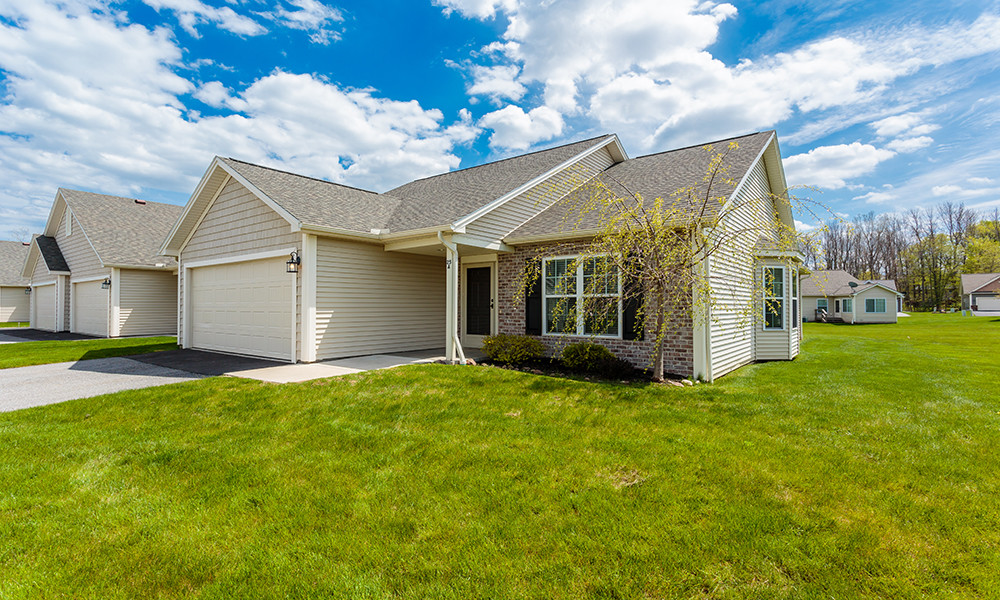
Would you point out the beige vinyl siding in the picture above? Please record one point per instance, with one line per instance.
(732, 277)
(15, 305)
(371, 301)
(773, 344)
(147, 303)
(889, 316)
(83, 262)
(238, 223)
(515, 212)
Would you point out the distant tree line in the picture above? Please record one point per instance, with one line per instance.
(924, 251)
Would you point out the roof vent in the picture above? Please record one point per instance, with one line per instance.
(137, 201)
(25, 243)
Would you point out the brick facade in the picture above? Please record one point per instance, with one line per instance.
(678, 349)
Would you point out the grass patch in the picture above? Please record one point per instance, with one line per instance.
(23, 354)
(14, 324)
(868, 467)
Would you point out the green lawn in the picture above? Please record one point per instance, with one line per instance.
(868, 467)
(14, 324)
(23, 354)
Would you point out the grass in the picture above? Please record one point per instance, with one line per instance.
(868, 467)
(14, 324)
(23, 354)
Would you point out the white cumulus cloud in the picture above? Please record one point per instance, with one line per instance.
(515, 129)
(830, 167)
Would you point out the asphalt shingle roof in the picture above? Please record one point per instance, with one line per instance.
(12, 257)
(318, 202)
(653, 176)
(972, 282)
(450, 196)
(122, 231)
(51, 254)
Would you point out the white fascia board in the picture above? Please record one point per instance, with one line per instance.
(746, 176)
(51, 226)
(89, 279)
(876, 285)
(33, 255)
(166, 269)
(340, 233)
(238, 258)
(467, 240)
(165, 247)
(462, 222)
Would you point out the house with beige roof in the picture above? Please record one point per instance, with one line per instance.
(96, 268)
(283, 266)
(980, 292)
(14, 302)
(838, 296)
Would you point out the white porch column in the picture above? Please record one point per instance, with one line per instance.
(453, 351)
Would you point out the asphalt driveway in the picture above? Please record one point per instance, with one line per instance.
(25, 387)
(13, 334)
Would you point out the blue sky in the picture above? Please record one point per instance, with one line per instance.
(879, 106)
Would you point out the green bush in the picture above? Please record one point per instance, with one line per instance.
(513, 349)
(588, 357)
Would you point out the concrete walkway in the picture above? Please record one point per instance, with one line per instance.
(38, 385)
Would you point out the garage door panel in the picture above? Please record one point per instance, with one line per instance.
(45, 307)
(90, 309)
(243, 308)
(990, 302)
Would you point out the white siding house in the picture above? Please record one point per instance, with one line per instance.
(15, 305)
(97, 260)
(283, 266)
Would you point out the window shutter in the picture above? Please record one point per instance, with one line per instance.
(631, 307)
(533, 305)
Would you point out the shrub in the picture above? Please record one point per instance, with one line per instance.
(513, 349)
(588, 357)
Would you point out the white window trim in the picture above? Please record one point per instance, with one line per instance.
(579, 299)
(875, 302)
(766, 297)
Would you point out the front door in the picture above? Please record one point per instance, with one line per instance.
(480, 305)
(836, 306)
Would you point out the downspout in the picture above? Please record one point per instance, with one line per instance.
(452, 344)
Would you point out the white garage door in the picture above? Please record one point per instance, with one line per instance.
(990, 302)
(90, 309)
(45, 307)
(243, 308)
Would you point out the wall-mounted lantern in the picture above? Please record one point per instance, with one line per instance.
(27, 291)
(106, 284)
(292, 265)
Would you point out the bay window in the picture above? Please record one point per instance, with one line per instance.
(774, 297)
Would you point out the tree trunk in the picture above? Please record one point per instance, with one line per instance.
(660, 337)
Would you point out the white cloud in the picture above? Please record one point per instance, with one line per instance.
(980, 180)
(191, 13)
(911, 124)
(913, 144)
(312, 16)
(515, 129)
(804, 227)
(645, 69)
(945, 190)
(68, 120)
(830, 167)
(497, 82)
(877, 197)
(477, 9)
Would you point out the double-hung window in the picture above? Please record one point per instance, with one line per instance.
(847, 305)
(874, 305)
(774, 297)
(582, 296)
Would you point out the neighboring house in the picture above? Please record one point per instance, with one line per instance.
(981, 291)
(96, 268)
(845, 298)
(14, 302)
(279, 265)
